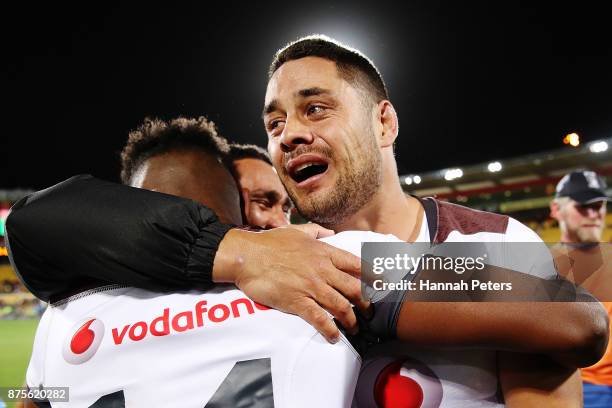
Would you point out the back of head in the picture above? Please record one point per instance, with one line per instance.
(184, 157)
(352, 65)
(156, 136)
(248, 151)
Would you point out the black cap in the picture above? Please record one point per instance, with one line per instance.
(582, 186)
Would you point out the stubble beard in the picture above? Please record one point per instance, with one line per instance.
(589, 235)
(356, 184)
(583, 235)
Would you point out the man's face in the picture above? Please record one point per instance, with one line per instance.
(581, 222)
(266, 202)
(194, 175)
(321, 140)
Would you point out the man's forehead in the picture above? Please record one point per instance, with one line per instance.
(304, 73)
(257, 171)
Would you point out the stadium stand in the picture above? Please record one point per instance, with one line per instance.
(520, 187)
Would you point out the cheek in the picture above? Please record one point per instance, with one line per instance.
(257, 215)
(575, 218)
(275, 153)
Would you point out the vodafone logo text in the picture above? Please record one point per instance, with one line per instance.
(201, 315)
(83, 340)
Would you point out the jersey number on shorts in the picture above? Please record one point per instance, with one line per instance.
(248, 384)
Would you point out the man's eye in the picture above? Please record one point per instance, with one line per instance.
(314, 109)
(263, 203)
(274, 124)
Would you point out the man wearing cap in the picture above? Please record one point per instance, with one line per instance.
(580, 208)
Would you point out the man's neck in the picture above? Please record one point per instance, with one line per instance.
(390, 211)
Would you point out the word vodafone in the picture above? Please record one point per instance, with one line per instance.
(187, 320)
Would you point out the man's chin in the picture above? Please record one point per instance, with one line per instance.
(590, 236)
(310, 198)
(312, 191)
(317, 206)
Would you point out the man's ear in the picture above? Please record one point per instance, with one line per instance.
(555, 208)
(388, 119)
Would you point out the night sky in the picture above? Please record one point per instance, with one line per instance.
(471, 82)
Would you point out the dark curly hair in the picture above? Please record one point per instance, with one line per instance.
(156, 136)
(248, 151)
(352, 65)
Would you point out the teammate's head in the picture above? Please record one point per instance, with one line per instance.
(580, 207)
(266, 203)
(184, 157)
(330, 128)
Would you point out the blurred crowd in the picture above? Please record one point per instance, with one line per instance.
(16, 302)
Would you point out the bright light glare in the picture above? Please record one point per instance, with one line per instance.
(598, 147)
(408, 180)
(452, 174)
(416, 179)
(573, 139)
(494, 167)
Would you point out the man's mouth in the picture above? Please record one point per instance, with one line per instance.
(306, 167)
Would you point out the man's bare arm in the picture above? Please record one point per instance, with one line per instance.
(573, 333)
(288, 269)
(534, 381)
(85, 233)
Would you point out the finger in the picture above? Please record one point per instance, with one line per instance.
(345, 261)
(316, 316)
(322, 232)
(336, 304)
(314, 230)
(349, 287)
(368, 311)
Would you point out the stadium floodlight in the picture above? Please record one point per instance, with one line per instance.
(572, 139)
(416, 179)
(598, 147)
(452, 174)
(408, 180)
(494, 167)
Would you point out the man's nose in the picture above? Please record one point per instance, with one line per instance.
(295, 133)
(594, 212)
(278, 218)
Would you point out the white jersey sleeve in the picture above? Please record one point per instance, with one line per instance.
(524, 251)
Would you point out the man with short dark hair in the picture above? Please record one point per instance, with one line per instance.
(331, 130)
(123, 346)
(159, 153)
(265, 201)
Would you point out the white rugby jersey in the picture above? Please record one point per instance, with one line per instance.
(213, 349)
(116, 345)
(135, 348)
(399, 375)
